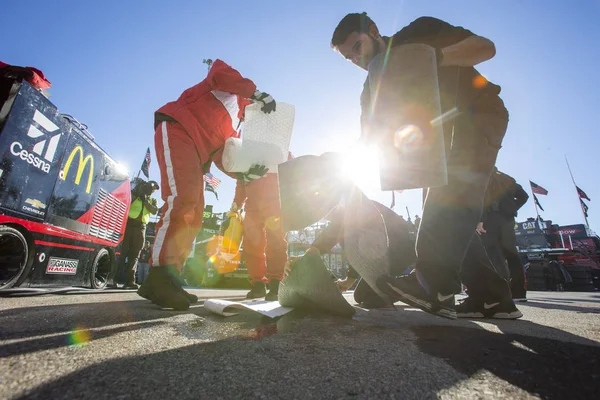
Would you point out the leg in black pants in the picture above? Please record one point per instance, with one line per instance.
(136, 233)
(124, 250)
(452, 212)
(450, 217)
(508, 242)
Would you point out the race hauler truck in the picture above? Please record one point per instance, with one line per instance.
(558, 257)
(63, 200)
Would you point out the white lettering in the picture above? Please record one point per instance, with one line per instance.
(33, 210)
(62, 266)
(17, 150)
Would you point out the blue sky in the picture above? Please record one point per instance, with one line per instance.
(113, 63)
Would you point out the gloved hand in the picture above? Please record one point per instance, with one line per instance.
(255, 172)
(267, 100)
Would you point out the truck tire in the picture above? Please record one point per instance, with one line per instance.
(101, 270)
(16, 257)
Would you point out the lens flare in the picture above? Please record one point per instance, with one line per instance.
(408, 137)
(79, 336)
(480, 82)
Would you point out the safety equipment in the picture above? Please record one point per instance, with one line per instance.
(137, 210)
(269, 104)
(255, 172)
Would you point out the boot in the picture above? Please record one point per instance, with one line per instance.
(180, 282)
(257, 291)
(130, 280)
(161, 288)
(273, 291)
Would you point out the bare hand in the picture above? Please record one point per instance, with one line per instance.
(480, 228)
(345, 284)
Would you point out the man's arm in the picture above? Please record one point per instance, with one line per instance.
(223, 77)
(331, 235)
(520, 196)
(469, 52)
(150, 204)
(458, 46)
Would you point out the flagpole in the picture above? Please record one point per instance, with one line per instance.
(534, 202)
(578, 197)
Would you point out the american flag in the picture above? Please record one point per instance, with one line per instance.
(146, 164)
(582, 194)
(537, 189)
(211, 180)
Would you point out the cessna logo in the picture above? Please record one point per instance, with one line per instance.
(82, 163)
(62, 266)
(44, 148)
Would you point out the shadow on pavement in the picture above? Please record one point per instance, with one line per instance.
(308, 356)
(67, 339)
(62, 320)
(549, 368)
(551, 305)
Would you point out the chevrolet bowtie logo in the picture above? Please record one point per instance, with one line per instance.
(35, 203)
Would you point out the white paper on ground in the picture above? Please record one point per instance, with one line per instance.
(271, 309)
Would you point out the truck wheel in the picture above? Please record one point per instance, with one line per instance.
(15, 257)
(101, 269)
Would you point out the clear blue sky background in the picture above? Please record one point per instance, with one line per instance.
(113, 63)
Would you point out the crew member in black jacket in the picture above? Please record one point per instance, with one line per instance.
(504, 198)
(474, 123)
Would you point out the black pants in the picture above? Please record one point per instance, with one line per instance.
(451, 213)
(501, 244)
(133, 241)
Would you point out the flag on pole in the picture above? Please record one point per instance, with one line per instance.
(537, 202)
(582, 194)
(584, 207)
(211, 180)
(537, 189)
(211, 189)
(146, 164)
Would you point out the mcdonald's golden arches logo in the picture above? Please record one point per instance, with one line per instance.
(83, 161)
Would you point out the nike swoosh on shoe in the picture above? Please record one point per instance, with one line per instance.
(442, 299)
(488, 306)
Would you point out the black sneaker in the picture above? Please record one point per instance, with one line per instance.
(257, 291)
(408, 290)
(174, 272)
(130, 286)
(273, 291)
(161, 289)
(472, 307)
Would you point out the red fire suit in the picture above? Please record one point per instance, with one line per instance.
(190, 135)
(262, 229)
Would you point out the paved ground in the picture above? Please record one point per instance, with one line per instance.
(119, 346)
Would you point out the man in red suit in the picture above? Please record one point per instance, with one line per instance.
(265, 248)
(190, 136)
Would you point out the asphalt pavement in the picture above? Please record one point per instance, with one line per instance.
(120, 346)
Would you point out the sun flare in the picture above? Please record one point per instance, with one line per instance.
(361, 165)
